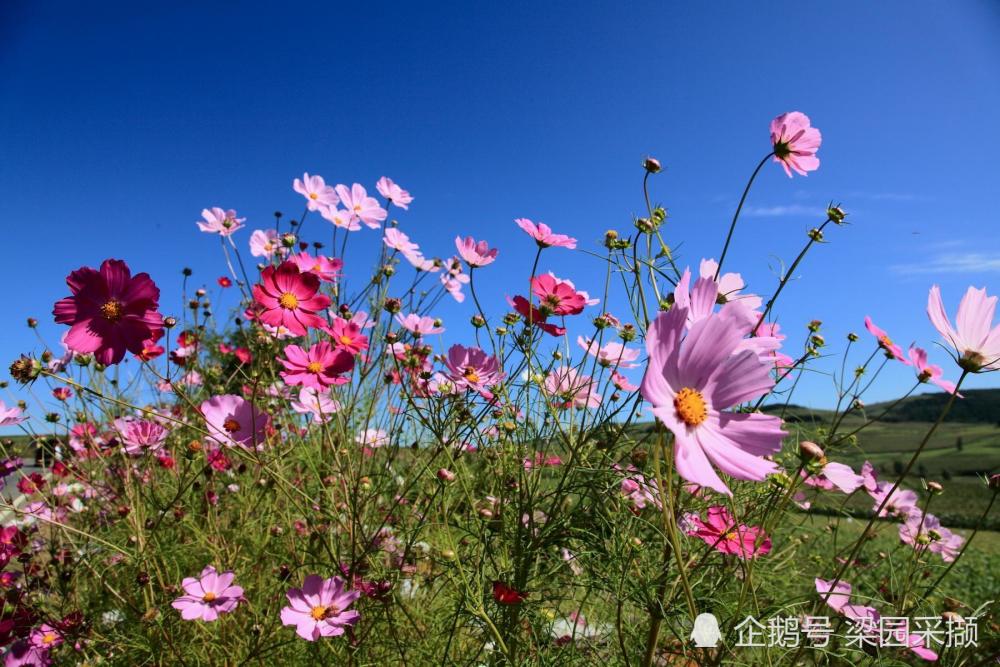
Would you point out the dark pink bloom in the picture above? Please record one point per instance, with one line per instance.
(234, 422)
(346, 335)
(393, 192)
(209, 595)
(46, 637)
(471, 368)
(723, 534)
(795, 143)
(219, 221)
(534, 316)
(361, 206)
(892, 350)
(290, 299)
(557, 297)
(475, 254)
(327, 269)
(543, 235)
(317, 193)
(927, 372)
(319, 608)
(319, 367)
(110, 311)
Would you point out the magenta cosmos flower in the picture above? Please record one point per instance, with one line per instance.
(795, 143)
(319, 367)
(471, 368)
(140, 435)
(208, 596)
(557, 297)
(319, 608)
(721, 532)
(234, 421)
(361, 206)
(393, 192)
(317, 193)
(327, 269)
(290, 298)
(978, 345)
(475, 253)
(927, 372)
(110, 312)
(10, 416)
(892, 350)
(220, 221)
(690, 381)
(544, 236)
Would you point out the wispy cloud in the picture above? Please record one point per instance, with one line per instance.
(889, 196)
(953, 262)
(781, 211)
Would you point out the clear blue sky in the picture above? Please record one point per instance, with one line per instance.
(120, 122)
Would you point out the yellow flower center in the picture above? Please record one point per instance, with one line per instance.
(470, 374)
(209, 596)
(231, 425)
(49, 638)
(357, 208)
(690, 406)
(289, 301)
(346, 340)
(315, 367)
(885, 340)
(320, 612)
(731, 536)
(313, 195)
(112, 310)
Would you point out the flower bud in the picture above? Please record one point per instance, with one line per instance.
(836, 214)
(935, 488)
(32, 322)
(993, 482)
(652, 165)
(187, 272)
(610, 239)
(288, 240)
(816, 234)
(445, 475)
(392, 305)
(852, 337)
(814, 325)
(478, 321)
(810, 451)
(25, 369)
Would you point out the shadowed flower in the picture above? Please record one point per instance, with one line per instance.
(723, 534)
(924, 531)
(317, 403)
(290, 298)
(319, 367)
(507, 595)
(795, 143)
(110, 311)
(543, 235)
(319, 608)
(234, 422)
(572, 388)
(475, 254)
(829, 476)
(689, 383)
(318, 194)
(45, 636)
(397, 195)
(219, 221)
(362, 207)
(372, 437)
(978, 345)
(10, 416)
(207, 596)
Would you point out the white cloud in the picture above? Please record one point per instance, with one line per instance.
(781, 211)
(953, 262)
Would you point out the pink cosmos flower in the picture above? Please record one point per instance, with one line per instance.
(399, 241)
(689, 383)
(722, 533)
(836, 596)
(543, 235)
(924, 531)
(10, 416)
(900, 504)
(929, 372)
(207, 596)
(346, 335)
(317, 403)
(318, 194)
(234, 422)
(341, 218)
(327, 269)
(557, 297)
(729, 285)
(622, 383)
(420, 325)
(534, 316)
(372, 437)
(393, 193)
(290, 298)
(22, 654)
(869, 478)
(610, 354)
(892, 350)
(45, 636)
(638, 490)
(264, 243)
(453, 279)
(978, 345)
(361, 206)
(475, 254)
(319, 367)
(572, 388)
(110, 311)
(319, 608)
(219, 221)
(140, 435)
(834, 476)
(471, 368)
(795, 143)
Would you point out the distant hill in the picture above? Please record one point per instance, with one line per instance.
(979, 406)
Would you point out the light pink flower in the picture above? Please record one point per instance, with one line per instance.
(341, 218)
(397, 195)
(611, 354)
(690, 381)
(361, 206)
(834, 476)
(290, 298)
(219, 221)
(372, 437)
(397, 240)
(572, 388)
(264, 243)
(141, 435)
(110, 311)
(234, 422)
(638, 490)
(327, 269)
(892, 350)
(453, 279)
(978, 345)
(319, 608)
(320, 367)
(901, 503)
(721, 532)
(621, 382)
(207, 596)
(927, 372)
(10, 416)
(318, 194)
(543, 235)
(836, 596)
(317, 403)
(795, 143)
(420, 325)
(475, 254)
(729, 285)
(471, 368)
(924, 531)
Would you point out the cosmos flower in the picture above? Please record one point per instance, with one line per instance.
(471, 368)
(730, 285)
(924, 531)
(317, 403)
(892, 350)
(420, 325)
(795, 143)
(557, 297)
(611, 354)
(319, 608)
(833, 475)
(721, 532)
(219, 221)
(978, 345)
(399, 241)
(290, 298)
(319, 367)
(10, 416)
(362, 207)
(346, 335)
(110, 311)
(572, 388)
(544, 236)
(690, 381)
(318, 194)
(327, 269)
(207, 596)
(475, 254)
(507, 595)
(927, 372)
(341, 218)
(140, 435)
(233, 421)
(397, 195)
(372, 437)
(264, 243)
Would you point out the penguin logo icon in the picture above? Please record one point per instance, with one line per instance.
(706, 631)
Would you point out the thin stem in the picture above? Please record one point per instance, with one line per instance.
(732, 226)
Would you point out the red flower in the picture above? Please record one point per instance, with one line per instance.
(225, 282)
(506, 595)
(290, 299)
(110, 311)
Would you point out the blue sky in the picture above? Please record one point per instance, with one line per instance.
(118, 125)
